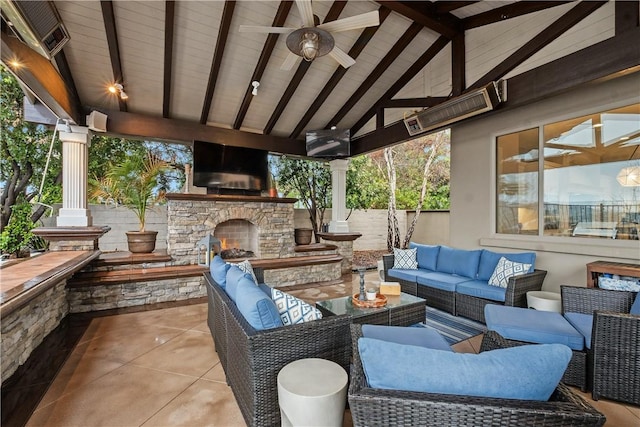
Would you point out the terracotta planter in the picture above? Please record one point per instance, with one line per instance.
(141, 242)
(302, 236)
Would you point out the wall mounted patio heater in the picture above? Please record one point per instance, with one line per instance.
(37, 24)
(456, 109)
(206, 248)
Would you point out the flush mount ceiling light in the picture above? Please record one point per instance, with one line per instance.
(312, 40)
(117, 89)
(629, 177)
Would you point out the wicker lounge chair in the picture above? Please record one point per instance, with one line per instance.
(377, 407)
(614, 357)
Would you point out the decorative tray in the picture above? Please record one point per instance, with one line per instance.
(380, 301)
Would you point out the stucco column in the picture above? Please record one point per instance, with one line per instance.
(338, 222)
(75, 153)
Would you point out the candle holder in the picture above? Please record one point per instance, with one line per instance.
(362, 295)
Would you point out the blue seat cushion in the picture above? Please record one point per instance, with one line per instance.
(481, 289)
(422, 337)
(255, 306)
(582, 323)
(635, 307)
(528, 325)
(233, 278)
(489, 261)
(403, 273)
(218, 269)
(529, 372)
(458, 261)
(427, 255)
(443, 281)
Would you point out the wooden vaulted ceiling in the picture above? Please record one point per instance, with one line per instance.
(188, 71)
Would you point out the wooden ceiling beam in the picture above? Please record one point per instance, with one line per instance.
(41, 77)
(332, 15)
(627, 16)
(546, 36)
(265, 56)
(221, 42)
(169, 18)
(429, 101)
(109, 19)
(507, 12)
(458, 65)
(356, 49)
(411, 72)
(423, 13)
(139, 126)
(409, 34)
(65, 72)
(447, 6)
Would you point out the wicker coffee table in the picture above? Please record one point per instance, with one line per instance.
(401, 310)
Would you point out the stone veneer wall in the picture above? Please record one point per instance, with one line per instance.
(189, 220)
(24, 329)
(103, 297)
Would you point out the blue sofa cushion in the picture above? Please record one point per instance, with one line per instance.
(489, 261)
(405, 259)
(583, 323)
(528, 325)
(422, 337)
(233, 278)
(265, 288)
(530, 372)
(635, 308)
(458, 261)
(401, 273)
(256, 307)
(218, 269)
(427, 255)
(443, 281)
(505, 270)
(481, 289)
(247, 268)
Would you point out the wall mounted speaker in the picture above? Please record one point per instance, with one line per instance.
(97, 121)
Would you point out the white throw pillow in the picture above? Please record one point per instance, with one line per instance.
(506, 269)
(246, 267)
(405, 258)
(293, 310)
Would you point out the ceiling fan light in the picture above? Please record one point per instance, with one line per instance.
(309, 46)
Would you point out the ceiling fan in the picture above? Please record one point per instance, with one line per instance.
(312, 41)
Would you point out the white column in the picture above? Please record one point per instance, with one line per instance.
(339, 169)
(75, 153)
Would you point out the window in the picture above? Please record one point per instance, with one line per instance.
(590, 177)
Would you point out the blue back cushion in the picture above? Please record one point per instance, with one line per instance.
(635, 308)
(218, 269)
(427, 255)
(489, 260)
(529, 372)
(233, 278)
(256, 307)
(422, 337)
(458, 261)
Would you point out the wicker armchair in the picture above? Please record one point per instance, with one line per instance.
(614, 358)
(377, 407)
(252, 359)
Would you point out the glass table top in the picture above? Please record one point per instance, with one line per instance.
(343, 305)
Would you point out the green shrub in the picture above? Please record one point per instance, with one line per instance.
(17, 235)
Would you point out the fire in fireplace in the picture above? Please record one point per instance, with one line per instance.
(238, 237)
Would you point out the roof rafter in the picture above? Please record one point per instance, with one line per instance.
(169, 17)
(223, 33)
(448, 6)
(65, 72)
(423, 13)
(109, 19)
(265, 56)
(356, 49)
(507, 12)
(332, 15)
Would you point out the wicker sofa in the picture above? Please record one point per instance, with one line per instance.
(456, 280)
(377, 407)
(251, 359)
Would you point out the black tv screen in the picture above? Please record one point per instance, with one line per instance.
(330, 143)
(218, 166)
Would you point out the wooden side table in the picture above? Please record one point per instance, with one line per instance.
(594, 269)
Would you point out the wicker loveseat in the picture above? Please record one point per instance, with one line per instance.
(251, 359)
(377, 407)
(456, 280)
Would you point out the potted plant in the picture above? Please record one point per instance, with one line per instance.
(133, 183)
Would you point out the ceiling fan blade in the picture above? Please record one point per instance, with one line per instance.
(341, 56)
(369, 19)
(289, 61)
(262, 29)
(306, 12)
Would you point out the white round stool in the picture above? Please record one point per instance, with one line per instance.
(312, 392)
(544, 301)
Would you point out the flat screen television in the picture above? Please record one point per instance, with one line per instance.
(222, 167)
(329, 143)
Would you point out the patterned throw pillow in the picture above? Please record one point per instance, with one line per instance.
(405, 258)
(293, 310)
(506, 269)
(246, 267)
